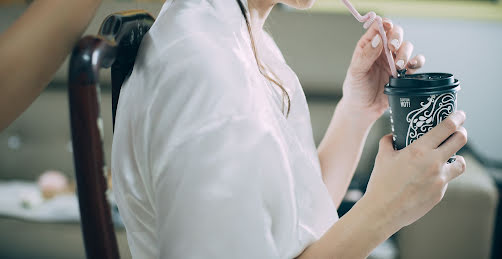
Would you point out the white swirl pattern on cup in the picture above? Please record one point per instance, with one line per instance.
(429, 115)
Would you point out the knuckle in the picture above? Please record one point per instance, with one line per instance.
(440, 182)
(421, 60)
(463, 138)
(450, 125)
(462, 115)
(463, 135)
(398, 29)
(408, 44)
(462, 164)
(436, 167)
(361, 42)
(416, 152)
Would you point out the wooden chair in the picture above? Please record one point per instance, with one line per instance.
(115, 46)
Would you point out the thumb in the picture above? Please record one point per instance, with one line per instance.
(385, 144)
(368, 50)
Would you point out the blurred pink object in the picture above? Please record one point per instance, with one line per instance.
(52, 183)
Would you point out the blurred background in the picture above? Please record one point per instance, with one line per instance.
(459, 37)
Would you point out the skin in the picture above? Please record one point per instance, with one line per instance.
(404, 184)
(31, 51)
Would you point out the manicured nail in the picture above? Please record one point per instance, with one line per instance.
(413, 63)
(376, 41)
(395, 43)
(400, 63)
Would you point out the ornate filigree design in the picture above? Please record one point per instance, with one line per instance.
(431, 113)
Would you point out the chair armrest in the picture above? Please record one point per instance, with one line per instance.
(461, 225)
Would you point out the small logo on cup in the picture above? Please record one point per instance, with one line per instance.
(405, 102)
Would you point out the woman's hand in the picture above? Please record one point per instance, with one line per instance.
(369, 70)
(403, 187)
(407, 183)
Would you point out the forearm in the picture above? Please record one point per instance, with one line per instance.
(355, 235)
(341, 148)
(34, 47)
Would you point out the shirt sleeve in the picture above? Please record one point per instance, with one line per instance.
(209, 191)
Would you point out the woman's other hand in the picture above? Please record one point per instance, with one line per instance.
(406, 184)
(369, 70)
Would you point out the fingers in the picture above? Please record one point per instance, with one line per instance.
(370, 46)
(385, 144)
(403, 50)
(453, 144)
(415, 63)
(368, 50)
(438, 134)
(395, 36)
(403, 54)
(370, 33)
(387, 24)
(453, 170)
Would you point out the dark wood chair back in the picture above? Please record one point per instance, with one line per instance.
(115, 46)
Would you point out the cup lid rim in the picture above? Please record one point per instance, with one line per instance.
(421, 80)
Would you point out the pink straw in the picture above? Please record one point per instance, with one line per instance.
(368, 19)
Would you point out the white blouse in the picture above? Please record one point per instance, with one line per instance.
(205, 164)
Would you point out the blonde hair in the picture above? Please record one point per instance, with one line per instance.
(261, 67)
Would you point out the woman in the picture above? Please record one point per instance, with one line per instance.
(213, 154)
(34, 47)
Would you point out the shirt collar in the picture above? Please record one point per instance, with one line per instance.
(225, 8)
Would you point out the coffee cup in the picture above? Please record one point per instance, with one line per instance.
(419, 102)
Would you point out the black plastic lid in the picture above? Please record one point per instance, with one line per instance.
(422, 84)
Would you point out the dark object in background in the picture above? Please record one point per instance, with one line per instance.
(116, 46)
(496, 173)
(419, 102)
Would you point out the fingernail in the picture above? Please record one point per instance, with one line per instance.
(400, 63)
(413, 62)
(386, 20)
(395, 43)
(376, 41)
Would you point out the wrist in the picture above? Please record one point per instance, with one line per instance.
(384, 223)
(355, 235)
(357, 116)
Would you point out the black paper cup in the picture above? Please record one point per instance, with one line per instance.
(418, 103)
